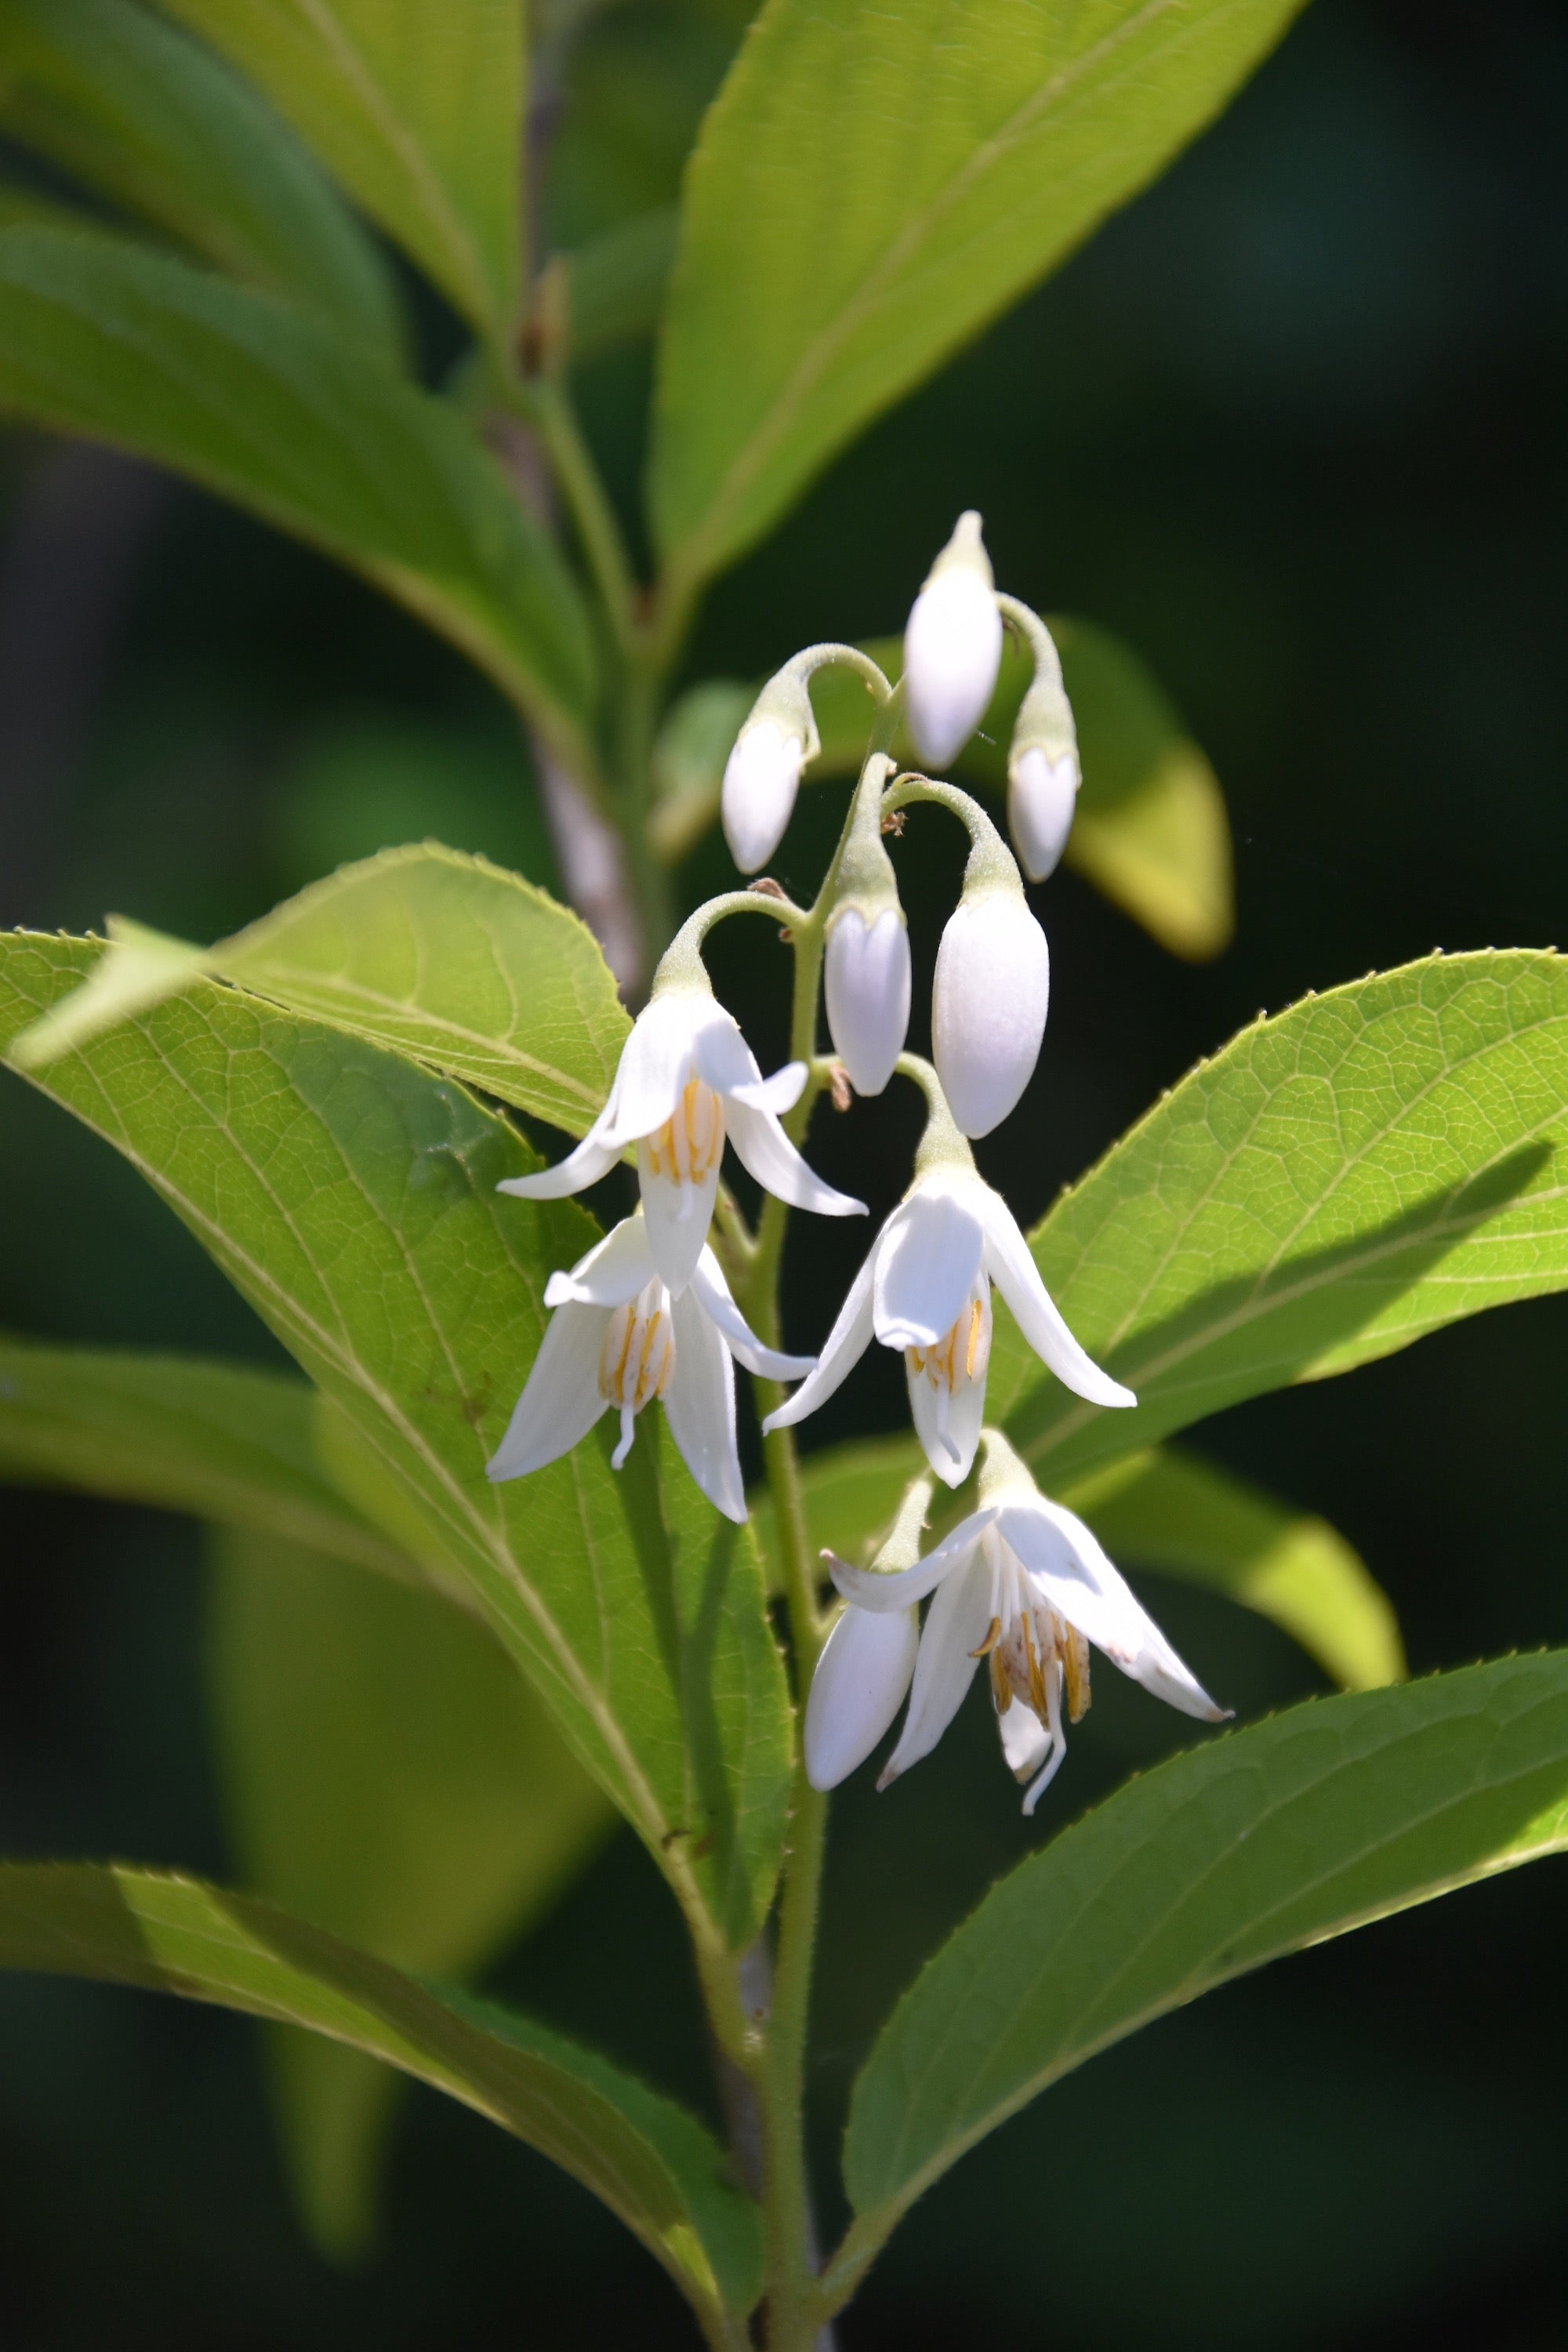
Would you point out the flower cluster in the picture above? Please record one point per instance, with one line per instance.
(650, 1312)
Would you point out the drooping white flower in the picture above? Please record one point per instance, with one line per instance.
(1042, 799)
(953, 647)
(988, 1004)
(761, 777)
(925, 1289)
(618, 1337)
(687, 1079)
(1022, 1583)
(867, 985)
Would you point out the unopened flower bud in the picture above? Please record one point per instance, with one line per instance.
(1043, 772)
(1042, 796)
(867, 992)
(988, 1005)
(953, 647)
(761, 774)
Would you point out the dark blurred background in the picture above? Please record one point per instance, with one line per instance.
(1293, 424)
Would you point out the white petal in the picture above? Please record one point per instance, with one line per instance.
(678, 1216)
(615, 1270)
(655, 1062)
(1025, 1739)
(699, 1405)
(562, 1400)
(763, 1148)
(868, 993)
(591, 1158)
(988, 1006)
(953, 650)
(857, 1690)
(1068, 1564)
(1042, 799)
(713, 1295)
(877, 1589)
(928, 1259)
(761, 777)
(955, 1626)
(846, 1344)
(948, 1425)
(1017, 1277)
(778, 1094)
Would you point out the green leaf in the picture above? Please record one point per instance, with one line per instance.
(1151, 830)
(351, 1197)
(143, 115)
(417, 109)
(433, 953)
(1324, 1819)
(266, 405)
(1169, 1511)
(1163, 1509)
(869, 189)
(615, 284)
(1364, 1167)
(653, 2163)
(387, 1775)
(180, 1434)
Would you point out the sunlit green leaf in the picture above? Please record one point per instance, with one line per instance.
(267, 405)
(416, 108)
(438, 955)
(652, 2163)
(1164, 1510)
(1366, 1167)
(183, 1433)
(386, 1774)
(871, 187)
(145, 116)
(1151, 830)
(351, 1197)
(1326, 1818)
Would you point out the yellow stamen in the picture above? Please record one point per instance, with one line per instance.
(1075, 1674)
(1000, 1688)
(992, 1636)
(689, 1143)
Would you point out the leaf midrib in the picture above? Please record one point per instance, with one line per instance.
(819, 353)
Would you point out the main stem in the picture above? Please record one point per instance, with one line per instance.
(792, 2320)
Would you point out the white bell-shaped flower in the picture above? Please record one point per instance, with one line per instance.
(867, 985)
(687, 1080)
(1025, 1585)
(1042, 799)
(953, 648)
(618, 1337)
(925, 1289)
(988, 1005)
(761, 777)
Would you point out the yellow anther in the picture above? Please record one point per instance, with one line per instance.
(1075, 1673)
(1000, 1688)
(992, 1636)
(688, 1145)
(637, 1354)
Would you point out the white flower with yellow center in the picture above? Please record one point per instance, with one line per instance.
(619, 1337)
(687, 1079)
(1024, 1585)
(925, 1289)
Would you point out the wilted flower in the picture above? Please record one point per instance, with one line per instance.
(988, 1004)
(687, 1078)
(867, 985)
(1023, 1584)
(618, 1337)
(953, 647)
(925, 1288)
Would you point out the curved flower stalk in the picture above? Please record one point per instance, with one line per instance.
(1022, 1583)
(925, 1289)
(687, 1079)
(617, 1339)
